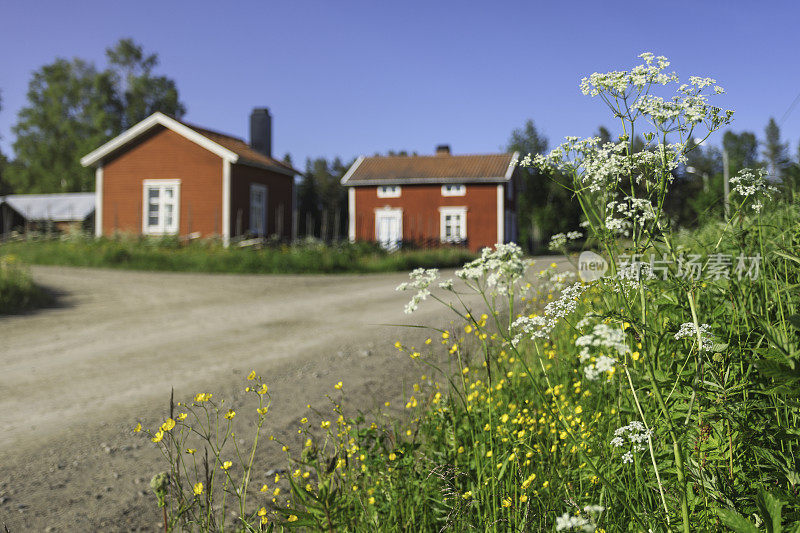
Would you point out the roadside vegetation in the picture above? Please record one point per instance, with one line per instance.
(18, 292)
(661, 396)
(172, 254)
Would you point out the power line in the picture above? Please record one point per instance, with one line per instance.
(789, 111)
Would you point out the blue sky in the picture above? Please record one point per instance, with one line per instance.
(348, 78)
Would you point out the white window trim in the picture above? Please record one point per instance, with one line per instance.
(98, 201)
(351, 214)
(253, 229)
(145, 205)
(453, 210)
(393, 193)
(394, 211)
(501, 230)
(460, 191)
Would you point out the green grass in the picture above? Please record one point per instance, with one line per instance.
(170, 254)
(18, 292)
(499, 437)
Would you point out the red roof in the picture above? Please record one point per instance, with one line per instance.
(239, 147)
(431, 169)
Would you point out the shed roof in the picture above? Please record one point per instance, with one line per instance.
(440, 168)
(60, 207)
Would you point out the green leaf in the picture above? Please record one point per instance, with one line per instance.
(771, 506)
(736, 522)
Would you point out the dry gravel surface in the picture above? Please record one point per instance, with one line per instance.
(77, 377)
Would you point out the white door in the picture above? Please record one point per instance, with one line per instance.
(389, 228)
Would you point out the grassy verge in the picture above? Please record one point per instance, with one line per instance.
(210, 256)
(18, 292)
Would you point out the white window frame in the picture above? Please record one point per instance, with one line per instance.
(444, 212)
(454, 189)
(389, 191)
(253, 228)
(396, 212)
(160, 228)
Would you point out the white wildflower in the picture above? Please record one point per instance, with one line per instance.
(636, 436)
(541, 326)
(689, 330)
(421, 279)
(567, 522)
(595, 348)
(502, 267)
(750, 183)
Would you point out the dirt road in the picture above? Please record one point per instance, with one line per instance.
(77, 377)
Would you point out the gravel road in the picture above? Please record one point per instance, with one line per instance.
(76, 377)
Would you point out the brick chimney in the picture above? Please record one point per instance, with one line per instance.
(443, 149)
(261, 131)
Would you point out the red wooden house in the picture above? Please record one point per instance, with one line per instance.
(444, 198)
(167, 177)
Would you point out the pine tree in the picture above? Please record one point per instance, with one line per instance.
(775, 152)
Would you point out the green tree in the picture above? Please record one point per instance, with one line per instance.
(67, 116)
(4, 188)
(138, 93)
(322, 196)
(545, 207)
(742, 150)
(775, 152)
(73, 108)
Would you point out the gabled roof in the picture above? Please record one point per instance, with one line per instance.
(445, 168)
(227, 147)
(60, 207)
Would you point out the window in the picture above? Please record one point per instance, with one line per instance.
(453, 224)
(389, 191)
(454, 189)
(161, 201)
(258, 209)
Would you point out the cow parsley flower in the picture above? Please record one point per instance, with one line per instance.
(596, 348)
(689, 330)
(752, 183)
(421, 279)
(501, 268)
(541, 326)
(567, 522)
(635, 436)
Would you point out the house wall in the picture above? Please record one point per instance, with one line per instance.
(279, 200)
(163, 155)
(421, 219)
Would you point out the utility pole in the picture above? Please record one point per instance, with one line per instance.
(725, 182)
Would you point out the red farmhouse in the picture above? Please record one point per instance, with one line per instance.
(444, 198)
(166, 177)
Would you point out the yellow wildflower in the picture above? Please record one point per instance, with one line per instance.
(291, 518)
(263, 389)
(138, 428)
(230, 414)
(198, 489)
(392, 456)
(226, 465)
(190, 451)
(264, 488)
(182, 417)
(168, 425)
(338, 386)
(262, 410)
(252, 375)
(158, 436)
